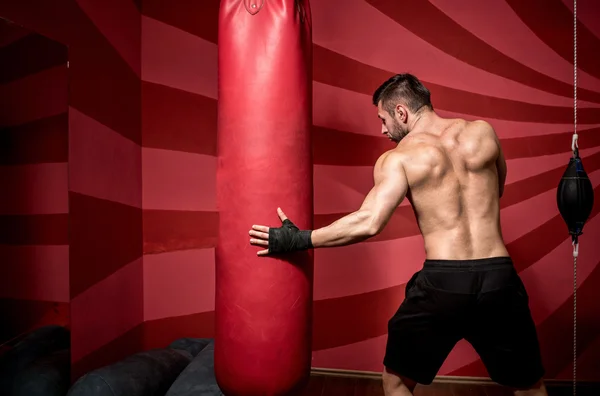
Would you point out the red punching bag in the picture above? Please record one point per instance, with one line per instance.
(263, 305)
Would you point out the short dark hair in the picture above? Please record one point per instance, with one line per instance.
(404, 88)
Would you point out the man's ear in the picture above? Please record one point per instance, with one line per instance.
(401, 113)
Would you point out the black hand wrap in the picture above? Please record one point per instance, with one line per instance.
(288, 238)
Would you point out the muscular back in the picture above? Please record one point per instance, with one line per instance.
(456, 177)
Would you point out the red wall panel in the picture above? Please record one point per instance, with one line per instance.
(104, 168)
(34, 251)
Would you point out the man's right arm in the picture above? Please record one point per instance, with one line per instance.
(502, 170)
(490, 133)
(389, 190)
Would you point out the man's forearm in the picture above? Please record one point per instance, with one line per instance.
(353, 228)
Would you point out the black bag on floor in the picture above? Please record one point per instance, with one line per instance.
(47, 376)
(39, 343)
(149, 373)
(192, 345)
(198, 378)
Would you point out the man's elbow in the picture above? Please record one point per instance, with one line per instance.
(371, 224)
(369, 232)
(375, 227)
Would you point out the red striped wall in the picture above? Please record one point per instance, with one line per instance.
(515, 74)
(105, 288)
(34, 246)
(178, 160)
(142, 163)
(105, 182)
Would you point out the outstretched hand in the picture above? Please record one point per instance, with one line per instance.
(285, 239)
(260, 234)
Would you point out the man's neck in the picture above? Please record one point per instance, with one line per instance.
(424, 121)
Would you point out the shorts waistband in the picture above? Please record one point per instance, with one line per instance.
(481, 263)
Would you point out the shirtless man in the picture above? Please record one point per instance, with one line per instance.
(453, 172)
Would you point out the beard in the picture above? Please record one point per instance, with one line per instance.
(396, 133)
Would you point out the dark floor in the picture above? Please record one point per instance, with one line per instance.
(339, 386)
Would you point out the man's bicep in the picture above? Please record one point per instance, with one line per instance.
(390, 189)
(502, 169)
(500, 163)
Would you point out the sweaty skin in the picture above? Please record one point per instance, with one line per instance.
(456, 176)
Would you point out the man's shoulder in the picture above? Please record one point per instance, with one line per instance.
(393, 157)
(392, 153)
(473, 130)
(464, 124)
(480, 126)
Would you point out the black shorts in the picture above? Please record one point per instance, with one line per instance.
(482, 301)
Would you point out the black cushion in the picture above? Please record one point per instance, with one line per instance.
(40, 342)
(198, 378)
(192, 345)
(149, 373)
(47, 376)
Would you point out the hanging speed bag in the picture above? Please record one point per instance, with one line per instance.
(263, 305)
(575, 196)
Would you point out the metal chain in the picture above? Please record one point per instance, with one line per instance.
(574, 147)
(574, 325)
(575, 66)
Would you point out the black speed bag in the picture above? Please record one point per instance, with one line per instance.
(575, 196)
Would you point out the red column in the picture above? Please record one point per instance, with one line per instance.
(263, 305)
